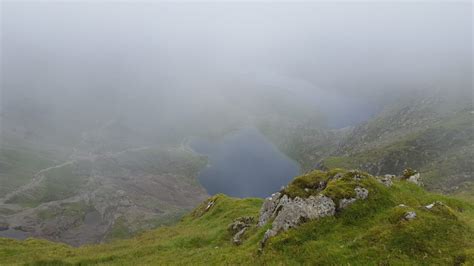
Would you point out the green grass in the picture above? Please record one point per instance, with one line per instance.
(442, 153)
(59, 183)
(18, 166)
(369, 232)
(72, 209)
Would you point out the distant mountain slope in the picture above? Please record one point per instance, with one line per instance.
(108, 188)
(438, 144)
(433, 134)
(399, 224)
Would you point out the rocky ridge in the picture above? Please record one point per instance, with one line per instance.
(306, 198)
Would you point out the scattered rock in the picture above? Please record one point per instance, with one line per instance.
(121, 193)
(237, 238)
(436, 203)
(402, 206)
(238, 228)
(416, 179)
(125, 202)
(408, 172)
(344, 203)
(209, 205)
(356, 175)
(386, 180)
(361, 193)
(338, 176)
(409, 216)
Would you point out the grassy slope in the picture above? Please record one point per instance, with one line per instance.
(21, 164)
(443, 153)
(369, 232)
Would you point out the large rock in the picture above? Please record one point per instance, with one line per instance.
(409, 216)
(415, 179)
(290, 213)
(268, 207)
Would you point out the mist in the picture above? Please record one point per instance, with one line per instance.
(118, 117)
(167, 68)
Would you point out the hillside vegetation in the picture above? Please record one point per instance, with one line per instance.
(373, 231)
(95, 197)
(434, 135)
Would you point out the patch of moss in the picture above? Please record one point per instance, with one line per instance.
(308, 184)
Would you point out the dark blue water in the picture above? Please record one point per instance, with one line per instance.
(13, 233)
(244, 164)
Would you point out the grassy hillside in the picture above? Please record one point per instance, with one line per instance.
(22, 164)
(94, 197)
(431, 133)
(368, 232)
(443, 152)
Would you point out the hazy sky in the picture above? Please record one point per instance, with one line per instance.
(169, 64)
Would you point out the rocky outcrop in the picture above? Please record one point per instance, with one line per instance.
(239, 227)
(361, 193)
(269, 207)
(415, 179)
(289, 213)
(386, 180)
(315, 195)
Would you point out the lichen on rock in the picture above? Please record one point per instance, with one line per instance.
(293, 212)
(386, 180)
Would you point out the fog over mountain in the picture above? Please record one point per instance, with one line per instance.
(251, 132)
(174, 67)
